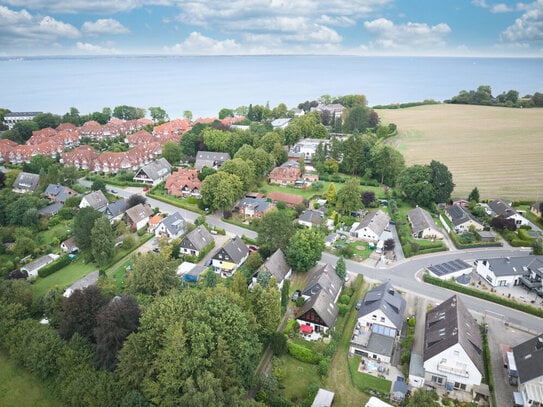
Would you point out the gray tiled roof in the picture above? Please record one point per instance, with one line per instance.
(197, 239)
(323, 277)
(376, 221)
(157, 169)
(96, 199)
(529, 359)
(26, 180)
(311, 216)
(277, 265)
(459, 215)
(514, 266)
(448, 324)
(116, 208)
(388, 300)
(210, 159)
(259, 204)
(236, 249)
(420, 220)
(324, 306)
(139, 212)
(50, 209)
(501, 208)
(174, 223)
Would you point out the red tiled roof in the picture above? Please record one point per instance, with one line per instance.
(286, 198)
(183, 177)
(285, 174)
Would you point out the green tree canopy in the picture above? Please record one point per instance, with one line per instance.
(152, 274)
(172, 152)
(349, 197)
(474, 195)
(158, 114)
(83, 224)
(274, 232)
(305, 249)
(441, 181)
(220, 190)
(416, 184)
(125, 112)
(245, 170)
(102, 241)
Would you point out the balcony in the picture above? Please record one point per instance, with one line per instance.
(442, 367)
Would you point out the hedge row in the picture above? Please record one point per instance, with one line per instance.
(454, 238)
(303, 354)
(206, 250)
(175, 202)
(54, 266)
(483, 295)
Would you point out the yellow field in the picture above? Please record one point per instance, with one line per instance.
(498, 150)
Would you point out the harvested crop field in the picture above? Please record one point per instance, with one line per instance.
(498, 150)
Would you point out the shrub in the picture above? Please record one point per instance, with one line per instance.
(54, 266)
(342, 309)
(303, 354)
(142, 231)
(344, 299)
(323, 367)
(192, 200)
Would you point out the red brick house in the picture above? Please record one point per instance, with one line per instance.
(284, 175)
(184, 183)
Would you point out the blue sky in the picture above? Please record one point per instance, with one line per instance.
(213, 27)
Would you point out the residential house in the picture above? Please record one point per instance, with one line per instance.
(330, 239)
(95, 199)
(399, 390)
(154, 221)
(69, 245)
(450, 269)
(284, 175)
(422, 225)
(371, 227)
(138, 216)
(529, 360)
(82, 283)
(511, 271)
(115, 210)
(535, 208)
(82, 158)
(26, 183)
(453, 350)
(276, 265)
(503, 209)
(50, 210)
(335, 109)
(487, 236)
(323, 398)
(323, 277)
(196, 241)
(153, 173)
(318, 315)
(59, 193)
(289, 199)
(12, 118)
(184, 183)
(306, 148)
(464, 203)
(33, 267)
(250, 207)
(172, 226)
(229, 257)
(210, 159)
(311, 218)
(462, 221)
(6, 147)
(280, 123)
(379, 323)
(309, 179)
(375, 402)
(175, 127)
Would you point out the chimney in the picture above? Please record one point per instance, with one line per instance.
(539, 343)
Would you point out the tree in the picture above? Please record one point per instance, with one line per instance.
(25, 130)
(172, 152)
(224, 112)
(331, 195)
(348, 197)
(2, 179)
(114, 323)
(72, 117)
(388, 163)
(98, 185)
(423, 398)
(158, 114)
(211, 279)
(278, 343)
(79, 313)
(331, 166)
(441, 181)
(267, 308)
(220, 190)
(341, 268)
(305, 249)
(102, 241)
(135, 199)
(274, 232)
(368, 197)
(538, 247)
(254, 261)
(474, 195)
(357, 120)
(152, 274)
(389, 245)
(125, 112)
(83, 224)
(44, 120)
(501, 223)
(245, 170)
(416, 184)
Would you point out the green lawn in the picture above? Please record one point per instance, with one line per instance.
(297, 376)
(365, 382)
(63, 278)
(18, 388)
(57, 231)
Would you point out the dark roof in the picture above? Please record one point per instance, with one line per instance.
(420, 220)
(96, 199)
(388, 300)
(139, 212)
(381, 344)
(502, 208)
(116, 208)
(60, 192)
(277, 265)
(514, 266)
(311, 216)
(449, 267)
(448, 324)
(529, 359)
(323, 277)
(38, 263)
(376, 221)
(399, 386)
(26, 180)
(157, 169)
(259, 204)
(21, 114)
(324, 307)
(459, 215)
(236, 249)
(50, 209)
(210, 159)
(174, 223)
(197, 239)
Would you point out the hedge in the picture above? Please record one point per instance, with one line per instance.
(206, 250)
(483, 295)
(458, 245)
(303, 354)
(54, 266)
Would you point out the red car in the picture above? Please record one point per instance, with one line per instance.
(252, 248)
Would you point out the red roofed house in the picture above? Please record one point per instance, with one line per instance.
(41, 136)
(6, 147)
(66, 127)
(184, 183)
(140, 137)
(289, 199)
(177, 126)
(154, 221)
(81, 157)
(284, 175)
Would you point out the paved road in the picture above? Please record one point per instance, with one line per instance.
(401, 273)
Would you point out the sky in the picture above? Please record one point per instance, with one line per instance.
(268, 27)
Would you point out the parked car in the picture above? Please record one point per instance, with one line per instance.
(113, 191)
(208, 262)
(252, 248)
(156, 250)
(359, 304)
(296, 295)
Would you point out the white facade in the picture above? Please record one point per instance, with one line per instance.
(532, 392)
(484, 270)
(366, 233)
(453, 366)
(519, 219)
(377, 317)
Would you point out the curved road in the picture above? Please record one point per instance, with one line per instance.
(402, 273)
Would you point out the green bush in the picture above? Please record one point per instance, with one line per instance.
(54, 266)
(342, 309)
(324, 366)
(192, 200)
(290, 325)
(142, 231)
(344, 299)
(303, 354)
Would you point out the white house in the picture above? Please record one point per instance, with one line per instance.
(33, 267)
(375, 402)
(153, 173)
(462, 221)
(172, 226)
(502, 208)
(529, 360)
(450, 269)
(95, 199)
(422, 225)
(195, 241)
(229, 257)
(510, 271)
(138, 216)
(277, 266)
(371, 227)
(453, 348)
(311, 218)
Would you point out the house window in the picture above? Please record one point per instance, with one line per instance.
(382, 319)
(437, 379)
(456, 353)
(459, 386)
(374, 317)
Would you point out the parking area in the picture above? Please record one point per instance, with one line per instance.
(500, 333)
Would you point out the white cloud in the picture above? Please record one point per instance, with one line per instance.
(104, 26)
(198, 44)
(480, 3)
(77, 6)
(409, 36)
(88, 48)
(501, 8)
(527, 28)
(20, 27)
(341, 21)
